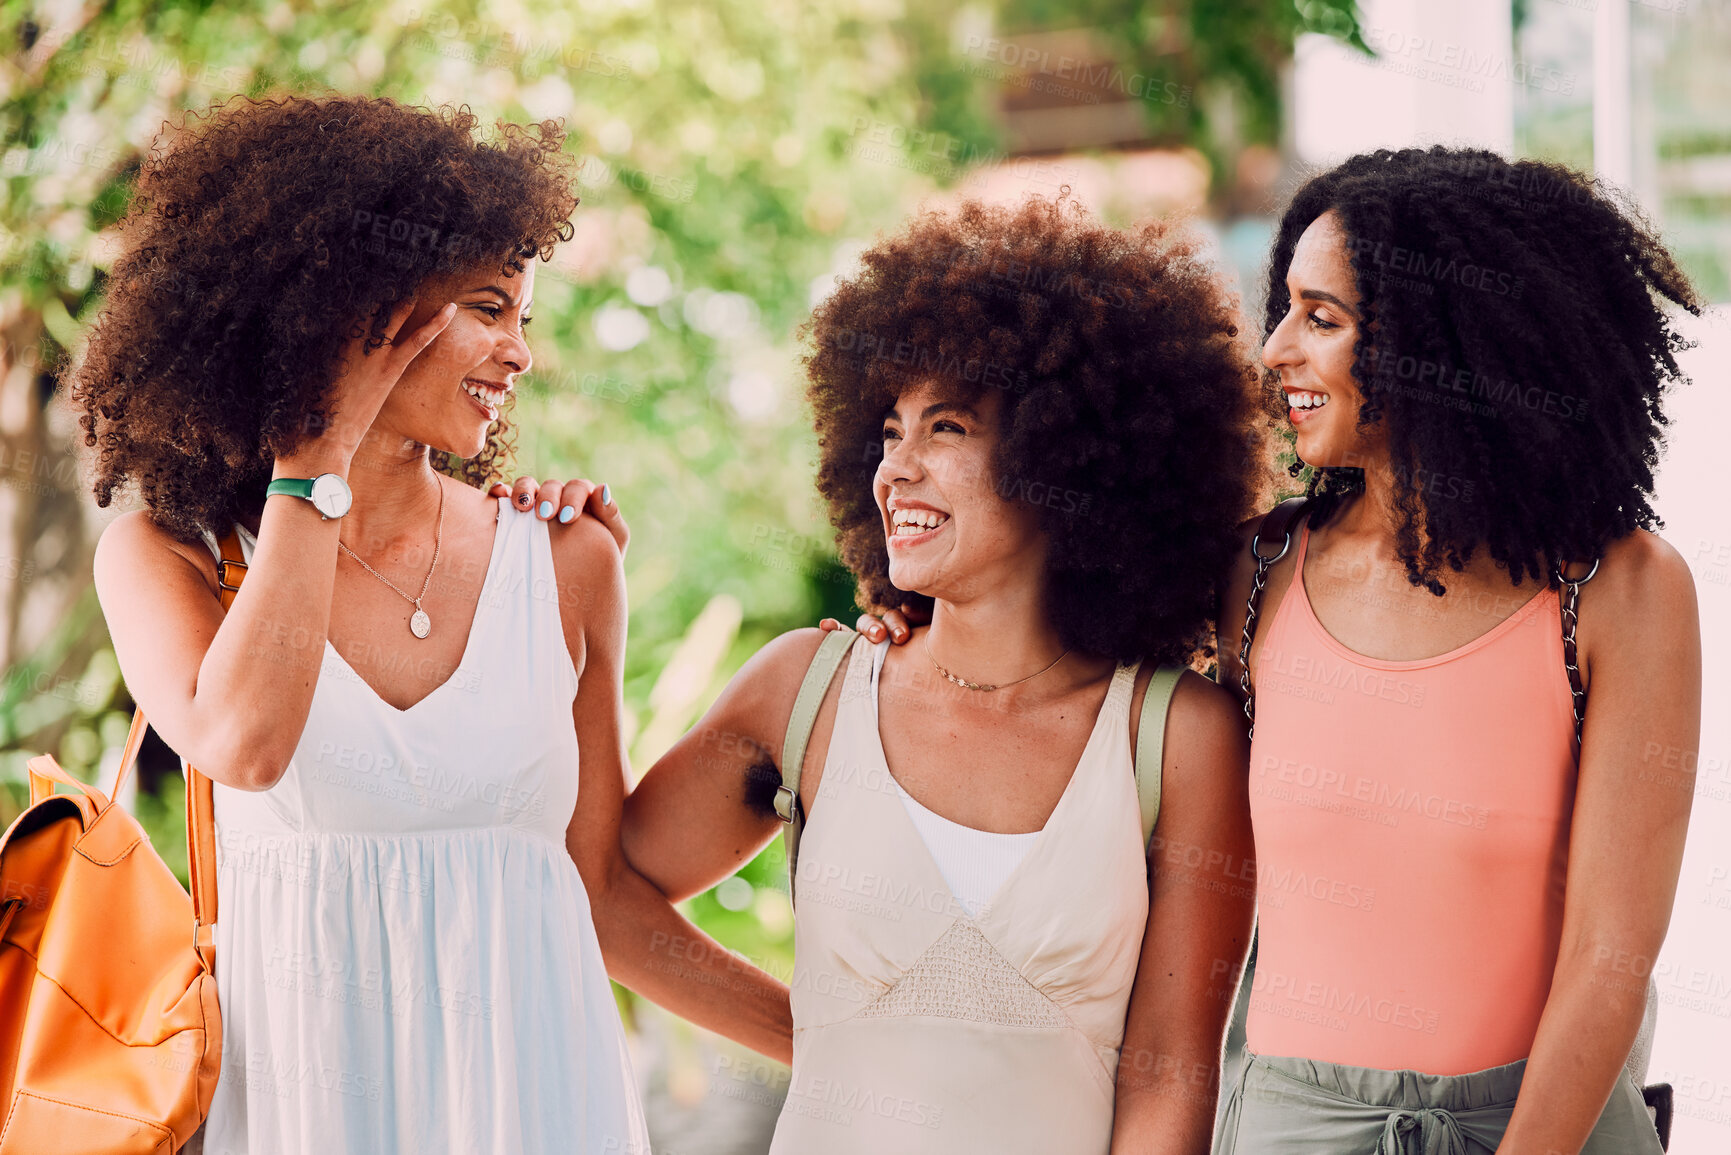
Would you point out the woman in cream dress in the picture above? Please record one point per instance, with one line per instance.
(986, 956)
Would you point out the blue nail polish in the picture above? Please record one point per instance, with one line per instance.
(566, 514)
(545, 509)
(606, 495)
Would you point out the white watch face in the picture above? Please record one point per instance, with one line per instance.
(331, 495)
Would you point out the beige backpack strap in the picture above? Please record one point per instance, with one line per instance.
(1151, 745)
(821, 673)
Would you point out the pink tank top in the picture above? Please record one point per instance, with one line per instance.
(1412, 833)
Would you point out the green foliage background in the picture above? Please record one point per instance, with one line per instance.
(722, 189)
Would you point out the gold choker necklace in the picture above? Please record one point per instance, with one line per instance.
(981, 686)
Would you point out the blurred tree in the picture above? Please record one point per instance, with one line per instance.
(737, 155)
(1195, 73)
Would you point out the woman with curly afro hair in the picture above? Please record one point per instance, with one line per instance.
(1044, 429)
(1468, 814)
(301, 366)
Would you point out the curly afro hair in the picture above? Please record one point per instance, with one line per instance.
(1513, 346)
(257, 243)
(1129, 413)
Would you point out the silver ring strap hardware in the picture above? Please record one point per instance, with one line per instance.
(1279, 520)
(1569, 600)
(223, 569)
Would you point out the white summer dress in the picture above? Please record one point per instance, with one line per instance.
(404, 951)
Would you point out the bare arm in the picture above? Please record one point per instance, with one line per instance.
(1198, 932)
(648, 945)
(700, 813)
(231, 692)
(1640, 643)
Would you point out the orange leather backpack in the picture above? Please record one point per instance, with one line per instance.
(110, 1036)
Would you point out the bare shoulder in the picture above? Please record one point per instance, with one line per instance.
(1643, 595)
(1203, 710)
(1243, 562)
(588, 570)
(1206, 726)
(1200, 711)
(1642, 568)
(770, 680)
(583, 545)
(133, 547)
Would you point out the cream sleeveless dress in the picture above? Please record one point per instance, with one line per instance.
(919, 1029)
(404, 951)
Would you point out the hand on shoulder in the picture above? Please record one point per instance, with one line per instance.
(563, 503)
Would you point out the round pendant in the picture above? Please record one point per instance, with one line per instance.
(420, 624)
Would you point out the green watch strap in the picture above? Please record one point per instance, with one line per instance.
(292, 486)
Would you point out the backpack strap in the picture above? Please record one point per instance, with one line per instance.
(1278, 522)
(200, 804)
(818, 677)
(200, 815)
(1151, 745)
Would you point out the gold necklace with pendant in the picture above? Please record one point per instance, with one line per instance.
(419, 623)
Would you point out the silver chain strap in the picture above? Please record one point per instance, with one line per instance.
(1570, 599)
(1257, 582)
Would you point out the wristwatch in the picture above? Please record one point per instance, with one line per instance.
(329, 493)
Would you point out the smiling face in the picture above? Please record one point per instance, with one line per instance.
(451, 393)
(949, 532)
(1312, 351)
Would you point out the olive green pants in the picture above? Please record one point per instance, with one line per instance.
(1283, 1106)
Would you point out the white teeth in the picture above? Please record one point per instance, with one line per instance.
(1300, 399)
(915, 521)
(485, 394)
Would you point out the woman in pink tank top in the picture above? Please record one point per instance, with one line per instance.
(1458, 905)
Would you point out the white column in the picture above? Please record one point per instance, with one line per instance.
(1445, 73)
(1613, 94)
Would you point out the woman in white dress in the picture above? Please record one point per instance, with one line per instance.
(419, 872)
